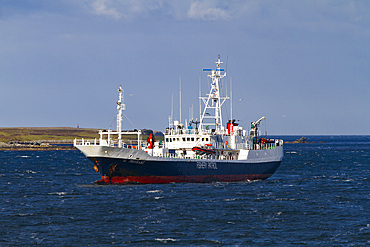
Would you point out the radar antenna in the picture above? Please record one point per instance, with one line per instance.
(214, 100)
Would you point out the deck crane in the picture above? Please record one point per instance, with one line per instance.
(253, 133)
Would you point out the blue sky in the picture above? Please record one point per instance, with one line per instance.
(305, 65)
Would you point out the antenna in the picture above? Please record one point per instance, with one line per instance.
(171, 111)
(231, 98)
(192, 111)
(227, 59)
(180, 99)
(200, 95)
(214, 101)
(196, 123)
(120, 106)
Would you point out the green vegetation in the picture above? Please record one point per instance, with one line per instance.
(55, 134)
(49, 133)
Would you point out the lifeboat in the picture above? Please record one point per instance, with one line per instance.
(203, 151)
(264, 140)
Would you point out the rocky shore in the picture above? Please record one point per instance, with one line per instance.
(35, 145)
(301, 140)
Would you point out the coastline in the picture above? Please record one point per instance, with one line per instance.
(51, 138)
(44, 148)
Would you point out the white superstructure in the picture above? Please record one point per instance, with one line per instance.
(210, 140)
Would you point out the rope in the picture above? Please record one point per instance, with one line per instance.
(129, 120)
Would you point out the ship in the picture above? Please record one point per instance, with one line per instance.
(207, 152)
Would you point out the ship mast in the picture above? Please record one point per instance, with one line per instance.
(120, 106)
(214, 101)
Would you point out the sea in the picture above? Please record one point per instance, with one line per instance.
(319, 196)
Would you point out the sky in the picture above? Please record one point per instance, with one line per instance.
(305, 65)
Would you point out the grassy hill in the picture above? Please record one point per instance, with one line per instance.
(46, 133)
(54, 134)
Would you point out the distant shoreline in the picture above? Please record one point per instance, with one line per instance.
(42, 138)
(49, 148)
(51, 138)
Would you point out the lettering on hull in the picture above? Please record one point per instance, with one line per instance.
(206, 165)
(140, 162)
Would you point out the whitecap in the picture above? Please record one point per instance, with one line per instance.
(25, 214)
(229, 200)
(30, 171)
(58, 193)
(158, 197)
(365, 228)
(165, 240)
(154, 191)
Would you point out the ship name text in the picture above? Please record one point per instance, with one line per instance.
(206, 165)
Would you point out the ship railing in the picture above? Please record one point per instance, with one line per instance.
(182, 132)
(261, 146)
(189, 131)
(131, 145)
(87, 142)
(175, 156)
(200, 157)
(227, 156)
(103, 142)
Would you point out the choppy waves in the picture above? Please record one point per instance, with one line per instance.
(319, 196)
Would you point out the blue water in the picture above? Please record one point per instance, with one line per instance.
(320, 195)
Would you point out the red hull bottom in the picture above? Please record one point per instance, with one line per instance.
(180, 179)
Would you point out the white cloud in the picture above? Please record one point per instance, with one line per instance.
(134, 9)
(207, 10)
(100, 7)
(128, 9)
